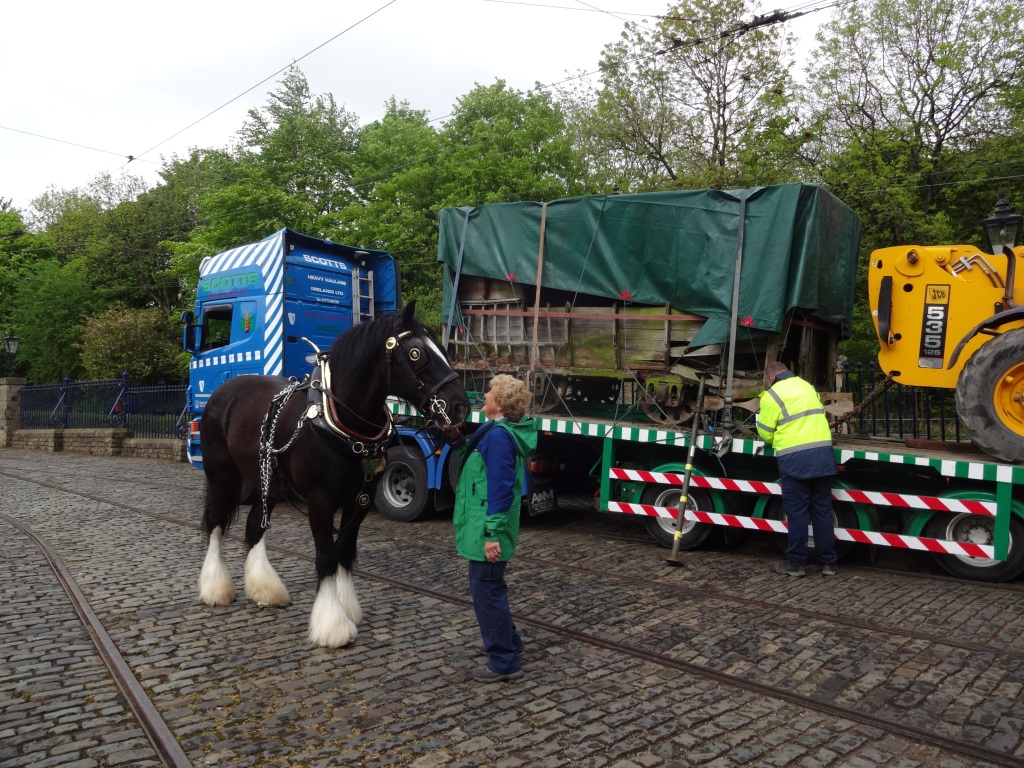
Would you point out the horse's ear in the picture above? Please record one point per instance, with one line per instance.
(408, 314)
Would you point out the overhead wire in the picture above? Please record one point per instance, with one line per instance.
(778, 16)
(268, 77)
(72, 143)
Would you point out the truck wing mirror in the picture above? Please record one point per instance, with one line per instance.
(190, 337)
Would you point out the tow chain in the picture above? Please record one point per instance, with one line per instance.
(869, 398)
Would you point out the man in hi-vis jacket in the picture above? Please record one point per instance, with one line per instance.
(792, 421)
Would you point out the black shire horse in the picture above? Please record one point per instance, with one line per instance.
(321, 441)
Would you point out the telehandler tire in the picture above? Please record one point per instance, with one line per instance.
(990, 397)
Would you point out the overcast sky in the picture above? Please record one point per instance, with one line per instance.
(122, 78)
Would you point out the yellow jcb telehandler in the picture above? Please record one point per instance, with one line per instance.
(953, 316)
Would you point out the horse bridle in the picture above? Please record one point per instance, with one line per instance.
(414, 358)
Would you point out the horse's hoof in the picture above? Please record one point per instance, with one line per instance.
(329, 625)
(339, 637)
(218, 597)
(267, 598)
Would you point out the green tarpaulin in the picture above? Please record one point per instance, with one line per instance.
(800, 249)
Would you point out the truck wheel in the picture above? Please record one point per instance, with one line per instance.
(662, 529)
(978, 529)
(990, 397)
(402, 494)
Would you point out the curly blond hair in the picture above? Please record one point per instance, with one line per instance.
(513, 396)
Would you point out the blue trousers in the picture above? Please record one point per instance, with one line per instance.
(809, 498)
(490, 602)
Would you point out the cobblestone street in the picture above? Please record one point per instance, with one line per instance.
(628, 663)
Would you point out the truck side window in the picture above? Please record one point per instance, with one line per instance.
(216, 327)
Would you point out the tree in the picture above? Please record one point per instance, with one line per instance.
(911, 95)
(140, 341)
(302, 147)
(701, 100)
(502, 145)
(395, 179)
(915, 100)
(51, 305)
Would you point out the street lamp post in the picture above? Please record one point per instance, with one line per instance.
(1004, 228)
(11, 343)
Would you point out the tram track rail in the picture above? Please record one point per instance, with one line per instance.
(921, 735)
(146, 712)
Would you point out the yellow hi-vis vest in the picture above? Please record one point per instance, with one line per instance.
(791, 417)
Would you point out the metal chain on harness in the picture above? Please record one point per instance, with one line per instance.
(267, 450)
(869, 398)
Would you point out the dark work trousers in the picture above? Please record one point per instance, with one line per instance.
(490, 601)
(812, 496)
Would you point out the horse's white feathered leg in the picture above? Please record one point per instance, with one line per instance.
(262, 584)
(347, 595)
(329, 624)
(215, 585)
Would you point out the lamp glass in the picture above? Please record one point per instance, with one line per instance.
(11, 343)
(1003, 229)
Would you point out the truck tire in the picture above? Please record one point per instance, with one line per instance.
(662, 529)
(402, 494)
(977, 529)
(989, 396)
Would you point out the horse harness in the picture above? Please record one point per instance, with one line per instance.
(322, 412)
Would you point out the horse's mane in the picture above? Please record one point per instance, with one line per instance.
(361, 343)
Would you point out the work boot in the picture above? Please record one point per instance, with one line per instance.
(790, 569)
(488, 675)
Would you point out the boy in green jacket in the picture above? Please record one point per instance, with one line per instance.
(487, 498)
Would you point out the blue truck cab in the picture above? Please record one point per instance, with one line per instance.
(256, 302)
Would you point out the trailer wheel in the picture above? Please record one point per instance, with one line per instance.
(990, 397)
(662, 529)
(402, 494)
(843, 516)
(978, 529)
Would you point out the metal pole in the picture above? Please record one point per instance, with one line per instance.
(455, 280)
(734, 318)
(677, 538)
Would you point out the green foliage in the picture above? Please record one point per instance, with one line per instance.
(503, 146)
(140, 341)
(691, 104)
(913, 113)
(19, 249)
(51, 305)
(396, 182)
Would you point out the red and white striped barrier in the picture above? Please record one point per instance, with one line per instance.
(904, 500)
(962, 548)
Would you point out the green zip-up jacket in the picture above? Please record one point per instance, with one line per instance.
(490, 488)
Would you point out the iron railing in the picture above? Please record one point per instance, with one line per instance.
(899, 412)
(156, 411)
(160, 411)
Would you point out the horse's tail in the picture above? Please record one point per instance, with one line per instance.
(221, 504)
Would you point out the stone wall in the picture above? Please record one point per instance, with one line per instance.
(154, 448)
(10, 408)
(50, 440)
